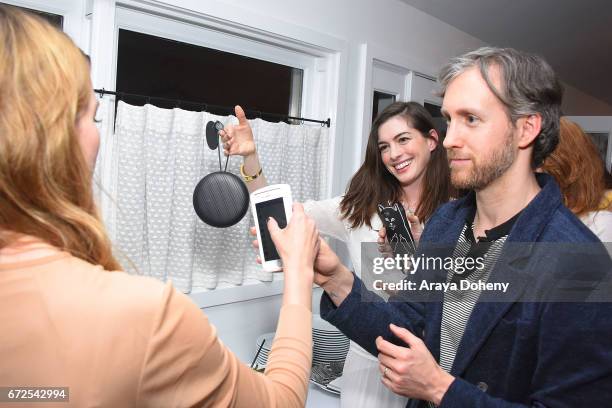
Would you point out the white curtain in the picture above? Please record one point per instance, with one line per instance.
(148, 169)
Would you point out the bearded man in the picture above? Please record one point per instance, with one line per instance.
(545, 342)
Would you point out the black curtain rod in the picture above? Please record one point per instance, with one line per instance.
(178, 103)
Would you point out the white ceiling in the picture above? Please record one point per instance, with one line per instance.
(574, 36)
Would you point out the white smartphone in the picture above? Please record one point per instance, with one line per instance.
(271, 201)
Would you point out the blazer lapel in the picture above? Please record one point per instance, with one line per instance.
(489, 309)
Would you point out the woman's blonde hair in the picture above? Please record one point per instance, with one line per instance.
(578, 169)
(45, 180)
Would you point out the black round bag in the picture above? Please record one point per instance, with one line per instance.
(220, 199)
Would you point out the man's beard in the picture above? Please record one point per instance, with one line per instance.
(488, 169)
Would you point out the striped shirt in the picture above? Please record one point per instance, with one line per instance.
(458, 305)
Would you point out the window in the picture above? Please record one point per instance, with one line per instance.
(197, 76)
(314, 62)
(381, 101)
(439, 121)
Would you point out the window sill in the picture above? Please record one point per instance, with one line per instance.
(233, 294)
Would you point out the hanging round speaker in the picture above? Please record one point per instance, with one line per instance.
(221, 199)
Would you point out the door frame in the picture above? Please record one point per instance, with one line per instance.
(371, 55)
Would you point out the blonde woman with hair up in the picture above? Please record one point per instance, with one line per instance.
(66, 319)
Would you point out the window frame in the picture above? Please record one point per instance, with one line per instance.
(132, 20)
(73, 12)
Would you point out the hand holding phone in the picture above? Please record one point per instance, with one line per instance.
(397, 228)
(298, 243)
(271, 201)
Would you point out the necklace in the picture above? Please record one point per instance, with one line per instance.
(411, 210)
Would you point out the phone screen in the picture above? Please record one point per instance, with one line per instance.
(275, 209)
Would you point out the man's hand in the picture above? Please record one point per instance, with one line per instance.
(411, 371)
(331, 275)
(238, 139)
(326, 264)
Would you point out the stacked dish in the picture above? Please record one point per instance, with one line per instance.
(328, 353)
(329, 344)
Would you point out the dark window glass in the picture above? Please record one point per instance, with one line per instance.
(381, 101)
(601, 143)
(54, 19)
(439, 120)
(158, 67)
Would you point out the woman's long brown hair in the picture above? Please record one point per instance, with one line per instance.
(374, 184)
(45, 180)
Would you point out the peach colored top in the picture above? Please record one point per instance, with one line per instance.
(118, 340)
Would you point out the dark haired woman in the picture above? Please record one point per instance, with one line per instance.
(404, 162)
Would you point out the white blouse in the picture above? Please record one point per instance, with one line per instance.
(600, 222)
(327, 216)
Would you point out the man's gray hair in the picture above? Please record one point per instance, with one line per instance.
(529, 86)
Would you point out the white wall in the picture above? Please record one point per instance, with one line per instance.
(388, 23)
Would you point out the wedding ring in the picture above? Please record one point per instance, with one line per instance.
(385, 371)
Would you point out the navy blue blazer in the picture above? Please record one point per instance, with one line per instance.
(514, 352)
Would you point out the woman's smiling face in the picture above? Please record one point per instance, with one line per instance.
(404, 150)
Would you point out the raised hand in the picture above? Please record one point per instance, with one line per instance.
(238, 139)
